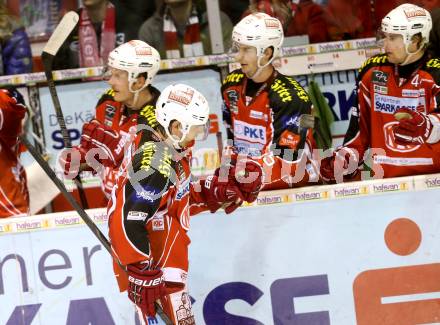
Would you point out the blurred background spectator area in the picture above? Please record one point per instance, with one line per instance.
(314, 20)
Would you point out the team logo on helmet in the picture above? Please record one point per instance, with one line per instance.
(271, 23)
(143, 51)
(414, 12)
(181, 97)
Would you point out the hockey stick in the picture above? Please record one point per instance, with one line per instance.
(84, 216)
(59, 36)
(308, 121)
(218, 136)
(58, 183)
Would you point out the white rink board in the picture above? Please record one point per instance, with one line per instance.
(263, 265)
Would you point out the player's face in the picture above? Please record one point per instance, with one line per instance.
(118, 81)
(196, 132)
(247, 57)
(394, 47)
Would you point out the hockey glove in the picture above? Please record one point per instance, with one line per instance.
(70, 160)
(249, 174)
(96, 135)
(144, 288)
(342, 162)
(244, 170)
(413, 127)
(221, 192)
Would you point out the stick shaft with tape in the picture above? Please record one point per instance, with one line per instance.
(84, 216)
(59, 36)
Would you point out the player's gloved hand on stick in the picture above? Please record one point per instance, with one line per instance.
(413, 127)
(144, 288)
(70, 160)
(110, 144)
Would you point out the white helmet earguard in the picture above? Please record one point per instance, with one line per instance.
(135, 57)
(260, 31)
(408, 20)
(186, 105)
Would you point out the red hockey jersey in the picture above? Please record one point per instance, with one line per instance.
(266, 127)
(115, 115)
(150, 207)
(14, 197)
(380, 92)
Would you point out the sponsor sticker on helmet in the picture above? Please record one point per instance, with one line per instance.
(181, 97)
(143, 50)
(414, 12)
(271, 23)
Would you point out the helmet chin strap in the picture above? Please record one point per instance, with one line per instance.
(174, 140)
(136, 92)
(409, 55)
(260, 67)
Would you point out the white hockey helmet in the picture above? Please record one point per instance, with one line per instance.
(185, 104)
(408, 20)
(260, 31)
(135, 57)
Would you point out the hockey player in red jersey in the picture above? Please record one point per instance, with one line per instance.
(396, 115)
(132, 67)
(154, 197)
(262, 107)
(14, 197)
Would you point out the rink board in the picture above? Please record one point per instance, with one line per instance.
(291, 258)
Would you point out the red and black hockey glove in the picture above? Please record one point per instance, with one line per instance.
(413, 127)
(109, 143)
(144, 288)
